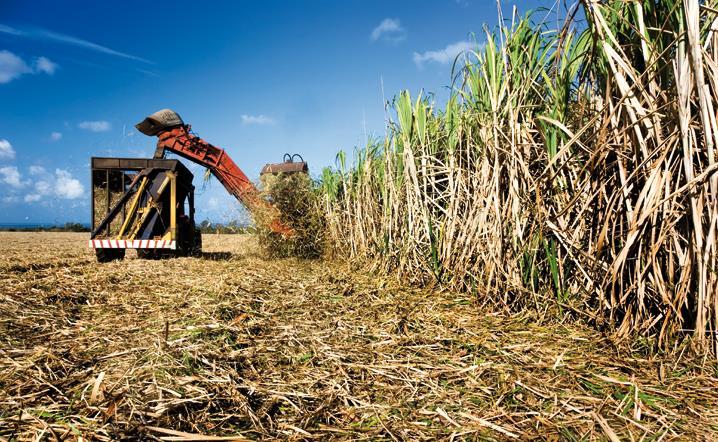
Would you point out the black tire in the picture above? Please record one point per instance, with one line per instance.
(197, 245)
(109, 255)
(189, 242)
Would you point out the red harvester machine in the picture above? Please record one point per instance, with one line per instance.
(148, 204)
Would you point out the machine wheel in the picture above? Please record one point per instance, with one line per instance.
(108, 255)
(190, 240)
(197, 245)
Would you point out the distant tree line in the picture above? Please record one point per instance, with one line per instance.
(67, 227)
(231, 227)
(205, 226)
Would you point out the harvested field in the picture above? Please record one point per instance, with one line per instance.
(236, 346)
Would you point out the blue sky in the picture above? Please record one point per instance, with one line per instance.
(256, 78)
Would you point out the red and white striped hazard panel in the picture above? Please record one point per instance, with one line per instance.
(133, 244)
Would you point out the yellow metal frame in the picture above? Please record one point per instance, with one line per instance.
(173, 204)
(171, 233)
(133, 207)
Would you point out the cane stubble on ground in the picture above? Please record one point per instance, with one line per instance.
(238, 346)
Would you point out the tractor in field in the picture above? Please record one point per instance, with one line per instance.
(148, 204)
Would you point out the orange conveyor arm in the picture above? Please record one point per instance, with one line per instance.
(179, 140)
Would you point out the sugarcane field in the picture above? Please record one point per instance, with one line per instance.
(391, 221)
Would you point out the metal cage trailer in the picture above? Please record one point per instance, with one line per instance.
(143, 204)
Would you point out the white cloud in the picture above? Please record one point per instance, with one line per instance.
(12, 66)
(37, 170)
(66, 186)
(43, 187)
(56, 136)
(8, 30)
(61, 185)
(45, 34)
(389, 29)
(44, 64)
(6, 150)
(256, 119)
(11, 176)
(95, 126)
(443, 56)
